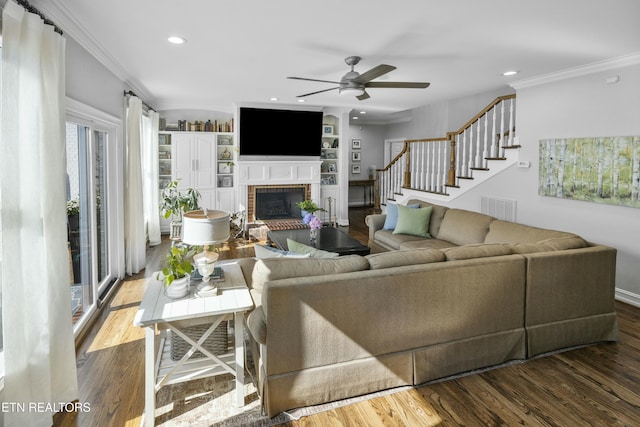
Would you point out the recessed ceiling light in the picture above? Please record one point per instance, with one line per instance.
(177, 40)
(363, 112)
(510, 73)
(273, 98)
(302, 100)
(355, 117)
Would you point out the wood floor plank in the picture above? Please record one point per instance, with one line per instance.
(594, 385)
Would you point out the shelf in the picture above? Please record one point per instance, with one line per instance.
(193, 368)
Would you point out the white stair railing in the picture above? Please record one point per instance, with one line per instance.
(434, 164)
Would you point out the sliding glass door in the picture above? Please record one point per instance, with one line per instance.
(89, 218)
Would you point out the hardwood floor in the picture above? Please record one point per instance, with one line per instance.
(597, 385)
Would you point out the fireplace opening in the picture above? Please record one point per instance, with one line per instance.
(273, 202)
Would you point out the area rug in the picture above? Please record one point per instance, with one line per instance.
(210, 402)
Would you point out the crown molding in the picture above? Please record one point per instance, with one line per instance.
(73, 28)
(583, 70)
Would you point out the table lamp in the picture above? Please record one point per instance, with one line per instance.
(204, 228)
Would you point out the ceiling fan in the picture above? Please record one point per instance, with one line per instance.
(354, 83)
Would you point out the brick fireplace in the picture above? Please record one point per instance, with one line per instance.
(267, 202)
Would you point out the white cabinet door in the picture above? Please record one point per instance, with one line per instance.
(195, 163)
(204, 156)
(182, 160)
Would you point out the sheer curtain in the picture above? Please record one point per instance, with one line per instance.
(150, 166)
(142, 214)
(38, 337)
(134, 221)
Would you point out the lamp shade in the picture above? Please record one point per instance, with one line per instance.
(205, 227)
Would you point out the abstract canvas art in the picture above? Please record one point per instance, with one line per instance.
(599, 169)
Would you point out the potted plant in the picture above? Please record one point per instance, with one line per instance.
(308, 207)
(177, 269)
(175, 203)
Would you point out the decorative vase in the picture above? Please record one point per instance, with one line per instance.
(304, 213)
(313, 235)
(178, 288)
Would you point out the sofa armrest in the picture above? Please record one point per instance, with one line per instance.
(570, 284)
(375, 222)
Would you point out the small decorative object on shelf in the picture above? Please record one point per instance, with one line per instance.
(200, 126)
(327, 129)
(226, 154)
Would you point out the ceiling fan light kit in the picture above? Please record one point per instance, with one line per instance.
(354, 83)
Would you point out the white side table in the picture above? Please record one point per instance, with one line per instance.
(158, 310)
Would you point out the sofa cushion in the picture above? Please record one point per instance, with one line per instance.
(555, 244)
(269, 269)
(402, 258)
(512, 233)
(301, 248)
(425, 244)
(392, 215)
(437, 215)
(263, 251)
(464, 227)
(393, 241)
(413, 221)
(481, 250)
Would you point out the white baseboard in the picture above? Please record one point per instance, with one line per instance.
(628, 297)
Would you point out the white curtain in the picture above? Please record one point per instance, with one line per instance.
(134, 221)
(40, 364)
(150, 167)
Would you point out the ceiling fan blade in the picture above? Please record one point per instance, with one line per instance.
(320, 91)
(312, 80)
(363, 96)
(374, 73)
(399, 85)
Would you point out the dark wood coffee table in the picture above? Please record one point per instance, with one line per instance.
(329, 239)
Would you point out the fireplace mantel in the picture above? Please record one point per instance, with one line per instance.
(278, 172)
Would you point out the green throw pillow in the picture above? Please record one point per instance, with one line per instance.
(413, 221)
(300, 248)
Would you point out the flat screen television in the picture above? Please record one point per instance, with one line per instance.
(284, 133)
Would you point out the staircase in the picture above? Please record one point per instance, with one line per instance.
(447, 167)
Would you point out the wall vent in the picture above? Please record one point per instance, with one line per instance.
(496, 207)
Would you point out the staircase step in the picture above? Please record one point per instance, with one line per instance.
(508, 147)
(465, 177)
(495, 158)
(479, 169)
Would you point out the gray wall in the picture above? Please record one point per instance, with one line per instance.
(371, 153)
(91, 83)
(435, 120)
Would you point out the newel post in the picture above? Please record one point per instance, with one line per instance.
(451, 174)
(407, 165)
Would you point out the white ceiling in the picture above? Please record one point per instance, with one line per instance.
(242, 51)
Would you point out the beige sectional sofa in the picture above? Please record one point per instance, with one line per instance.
(478, 293)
